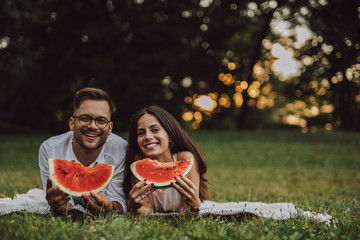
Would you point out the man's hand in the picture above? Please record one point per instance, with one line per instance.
(102, 203)
(57, 199)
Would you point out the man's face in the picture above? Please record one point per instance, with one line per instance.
(91, 137)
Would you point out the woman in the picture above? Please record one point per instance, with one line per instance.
(154, 133)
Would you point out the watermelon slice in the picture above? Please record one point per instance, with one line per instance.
(75, 179)
(160, 173)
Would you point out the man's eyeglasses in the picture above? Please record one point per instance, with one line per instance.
(85, 120)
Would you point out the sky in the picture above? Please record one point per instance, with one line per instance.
(286, 66)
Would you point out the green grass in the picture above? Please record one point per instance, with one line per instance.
(318, 172)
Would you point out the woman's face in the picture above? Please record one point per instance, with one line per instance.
(152, 138)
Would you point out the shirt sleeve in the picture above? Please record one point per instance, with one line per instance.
(43, 164)
(46, 151)
(115, 190)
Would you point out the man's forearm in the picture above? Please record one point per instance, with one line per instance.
(62, 210)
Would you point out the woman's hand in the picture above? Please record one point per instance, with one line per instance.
(139, 200)
(189, 192)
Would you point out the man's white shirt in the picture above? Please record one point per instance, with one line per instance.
(113, 152)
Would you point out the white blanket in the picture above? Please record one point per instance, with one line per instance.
(34, 202)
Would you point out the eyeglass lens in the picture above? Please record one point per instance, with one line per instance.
(86, 120)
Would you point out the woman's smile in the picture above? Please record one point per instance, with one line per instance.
(151, 145)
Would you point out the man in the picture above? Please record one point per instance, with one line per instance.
(89, 141)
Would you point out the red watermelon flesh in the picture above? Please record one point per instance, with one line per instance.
(75, 179)
(160, 173)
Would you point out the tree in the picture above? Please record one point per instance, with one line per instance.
(330, 74)
(178, 54)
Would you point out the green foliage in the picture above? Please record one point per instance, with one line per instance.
(334, 50)
(50, 49)
(318, 172)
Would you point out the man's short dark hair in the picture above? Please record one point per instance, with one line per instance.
(93, 94)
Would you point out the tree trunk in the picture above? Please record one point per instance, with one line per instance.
(347, 115)
(240, 123)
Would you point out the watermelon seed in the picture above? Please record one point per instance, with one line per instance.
(167, 169)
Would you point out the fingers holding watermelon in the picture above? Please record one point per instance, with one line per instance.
(57, 199)
(188, 190)
(97, 202)
(139, 197)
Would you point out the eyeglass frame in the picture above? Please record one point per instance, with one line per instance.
(92, 119)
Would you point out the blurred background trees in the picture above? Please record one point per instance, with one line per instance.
(211, 63)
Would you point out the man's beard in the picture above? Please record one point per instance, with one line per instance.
(80, 141)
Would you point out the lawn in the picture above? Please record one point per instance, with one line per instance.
(317, 172)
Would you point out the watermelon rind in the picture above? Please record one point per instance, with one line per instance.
(70, 191)
(157, 184)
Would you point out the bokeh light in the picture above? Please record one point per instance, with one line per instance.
(285, 66)
(188, 116)
(205, 103)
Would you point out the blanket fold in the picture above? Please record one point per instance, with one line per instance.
(34, 202)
